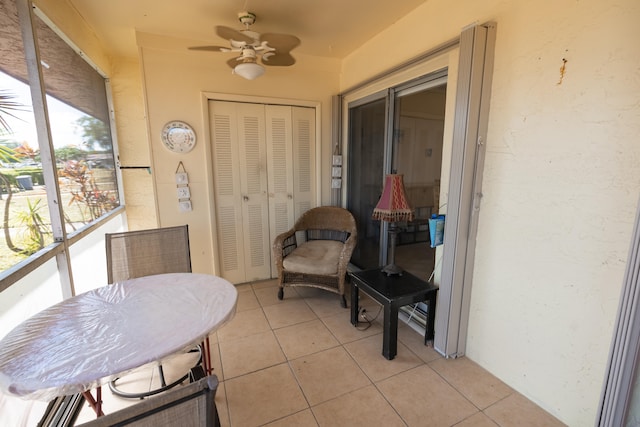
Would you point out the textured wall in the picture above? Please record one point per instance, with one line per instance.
(561, 184)
(175, 80)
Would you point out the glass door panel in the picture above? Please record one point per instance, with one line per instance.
(416, 149)
(417, 154)
(366, 160)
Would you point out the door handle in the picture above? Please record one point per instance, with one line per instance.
(245, 198)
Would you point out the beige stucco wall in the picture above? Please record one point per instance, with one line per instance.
(561, 184)
(133, 149)
(176, 81)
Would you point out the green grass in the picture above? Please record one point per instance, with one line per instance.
(77, 214)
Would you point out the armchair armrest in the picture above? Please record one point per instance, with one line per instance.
(345, 255)
(283, 245)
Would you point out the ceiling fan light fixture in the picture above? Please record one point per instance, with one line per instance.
(246, 18)
(249, 70)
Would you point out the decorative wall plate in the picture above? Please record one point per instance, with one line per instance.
(178, 137)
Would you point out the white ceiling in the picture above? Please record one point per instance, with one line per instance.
(330, 28)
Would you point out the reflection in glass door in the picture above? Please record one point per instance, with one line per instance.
(366, 157)
(417, 154)
(415, 147)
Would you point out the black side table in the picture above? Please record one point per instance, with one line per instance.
(393, 292)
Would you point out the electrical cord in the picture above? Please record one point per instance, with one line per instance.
(362, 315)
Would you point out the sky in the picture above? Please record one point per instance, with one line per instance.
(62, 117)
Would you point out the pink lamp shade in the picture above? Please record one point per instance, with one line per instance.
(393, 205)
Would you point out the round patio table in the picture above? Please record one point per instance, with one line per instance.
(87, 340)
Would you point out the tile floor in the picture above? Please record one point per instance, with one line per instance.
(299, 362)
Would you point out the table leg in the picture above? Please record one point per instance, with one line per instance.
(96, 403)
(354, 303)
(206, 359)
(390, 333)
(429, 333)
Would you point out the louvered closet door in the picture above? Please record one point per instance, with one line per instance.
(238, 134)
(264, 171)
(253, 184)
(280, 169)
(291, 165)
(224, 133)
(304, 160)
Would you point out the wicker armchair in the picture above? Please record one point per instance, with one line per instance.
(320, 258)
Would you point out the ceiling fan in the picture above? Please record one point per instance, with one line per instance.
(272, 49)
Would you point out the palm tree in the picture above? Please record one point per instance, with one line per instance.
(7, 106)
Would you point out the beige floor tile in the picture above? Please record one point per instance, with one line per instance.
(341, 327)
(415, 342)
(244, 323)
(323, 303)
(247, 300)
(474, 382)
(309, 291)
(249, 354)
(328, 374)
(477, 420)
(309, 328)
(243, 287)
(516, 410)
(300, 419)
(213, 337)
(221, 405)
(287, 313)
(216, 363)
(420, 395)
(367, 353)
(269, 296)
(305, 338)
(269, 283)
(363, 407)
(263, 396)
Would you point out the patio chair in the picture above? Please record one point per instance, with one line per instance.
(132, 254)
(316, 251)
(139, 253)
(192, 405)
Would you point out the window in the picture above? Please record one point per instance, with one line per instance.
(18, 149)
(80, 130)
(57, 165)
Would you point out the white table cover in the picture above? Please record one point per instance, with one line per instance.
(84, 341)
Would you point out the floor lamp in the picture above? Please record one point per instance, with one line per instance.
(392, 208)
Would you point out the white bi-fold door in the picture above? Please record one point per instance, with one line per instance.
(264, 179)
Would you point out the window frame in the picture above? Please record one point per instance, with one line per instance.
(60, 248)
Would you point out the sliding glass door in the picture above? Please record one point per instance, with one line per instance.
(397, 131)
(417, 153)
(426, 119)
(366, 171)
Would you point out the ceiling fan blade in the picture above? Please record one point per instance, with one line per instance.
(231, 34)
(283, 43)
(211, 48)
(279, 60)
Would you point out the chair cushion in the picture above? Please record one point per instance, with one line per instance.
(314, 257)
